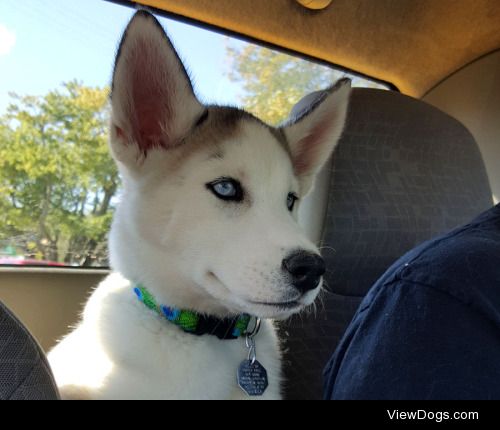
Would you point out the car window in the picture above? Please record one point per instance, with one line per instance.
(58, 184)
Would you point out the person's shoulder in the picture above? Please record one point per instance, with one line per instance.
(433, 312)
(464, 263)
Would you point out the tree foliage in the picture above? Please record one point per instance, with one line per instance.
(274, 82)
(57, 180)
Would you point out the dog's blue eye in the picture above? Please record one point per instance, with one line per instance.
(226, 189)
(290, 201)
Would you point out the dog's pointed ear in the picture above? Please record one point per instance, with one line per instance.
(314, 129)
(152, 99)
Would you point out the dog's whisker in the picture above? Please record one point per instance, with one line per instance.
(327, 248)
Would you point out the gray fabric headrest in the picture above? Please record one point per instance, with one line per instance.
(403, 172)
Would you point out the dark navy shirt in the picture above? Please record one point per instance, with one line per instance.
(430, 327)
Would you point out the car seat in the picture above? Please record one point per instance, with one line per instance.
(24, 371)
(402, 173)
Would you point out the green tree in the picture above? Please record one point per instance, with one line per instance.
(57, 180)
(273, 82)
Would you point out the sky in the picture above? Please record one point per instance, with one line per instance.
(46, 42)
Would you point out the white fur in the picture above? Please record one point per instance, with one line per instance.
(122, 351)
(190, 249)
(327, 120)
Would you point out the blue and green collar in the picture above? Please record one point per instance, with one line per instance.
(194, 323)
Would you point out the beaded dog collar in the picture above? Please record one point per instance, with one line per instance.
(193, 323)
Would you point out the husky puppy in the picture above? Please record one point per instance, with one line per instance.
(205, 235)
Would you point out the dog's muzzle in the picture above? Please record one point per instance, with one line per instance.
(305, 270)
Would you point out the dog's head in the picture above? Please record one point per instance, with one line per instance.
(208, 214)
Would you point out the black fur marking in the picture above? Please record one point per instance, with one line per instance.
(202, 118)
(218, 154)
(230, 117)
(279, 135)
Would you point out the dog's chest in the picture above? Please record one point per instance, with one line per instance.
(160, 361)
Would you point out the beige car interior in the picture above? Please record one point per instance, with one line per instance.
(445, 53)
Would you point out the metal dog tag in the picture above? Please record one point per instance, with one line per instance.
(252, 378)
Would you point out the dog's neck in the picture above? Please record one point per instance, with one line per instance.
(194, 323)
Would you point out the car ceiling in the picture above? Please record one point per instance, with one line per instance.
(413, 44)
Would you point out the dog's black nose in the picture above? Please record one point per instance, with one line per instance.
(306, 270)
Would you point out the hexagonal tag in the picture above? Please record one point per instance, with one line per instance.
(252, 378)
